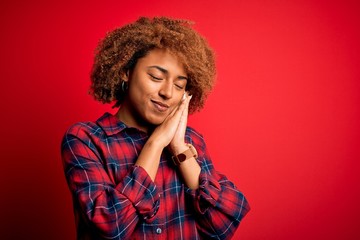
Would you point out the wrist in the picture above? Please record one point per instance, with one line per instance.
(188, 153)
(154, 144)
(177, 149)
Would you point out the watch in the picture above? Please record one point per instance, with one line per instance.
(189, 153)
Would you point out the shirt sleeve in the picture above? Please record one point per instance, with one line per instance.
(112, 210)
(219, 205)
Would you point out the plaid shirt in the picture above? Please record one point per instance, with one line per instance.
(113, 199)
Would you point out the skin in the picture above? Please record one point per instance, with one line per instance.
(155, 104)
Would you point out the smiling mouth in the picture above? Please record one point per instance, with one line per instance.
(161, 107)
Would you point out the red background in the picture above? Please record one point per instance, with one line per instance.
(282, 121)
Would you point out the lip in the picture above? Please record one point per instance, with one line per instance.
(160, 106)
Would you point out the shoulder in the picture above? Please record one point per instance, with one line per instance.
(90, 131)
(80, 129)
(105, 125)
(80, 134)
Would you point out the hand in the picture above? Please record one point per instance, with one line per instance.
(172, 130)
(171, 133)
(177, 144)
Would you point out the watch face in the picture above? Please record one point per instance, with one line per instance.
(181, 157)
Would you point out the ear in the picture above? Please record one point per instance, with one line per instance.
(124, 76)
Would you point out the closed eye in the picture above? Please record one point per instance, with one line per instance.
(179, 86)
(153, 77)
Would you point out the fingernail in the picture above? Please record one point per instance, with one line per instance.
(183, 97)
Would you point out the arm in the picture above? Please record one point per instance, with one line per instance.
(172, 128)
(189, 169)
(112, 210)
(219, 205)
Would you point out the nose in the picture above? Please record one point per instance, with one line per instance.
(166, 90)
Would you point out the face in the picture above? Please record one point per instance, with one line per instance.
(156, 87)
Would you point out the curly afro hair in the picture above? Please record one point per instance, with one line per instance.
(119, 51)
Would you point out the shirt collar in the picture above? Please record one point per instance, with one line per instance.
(110, 124)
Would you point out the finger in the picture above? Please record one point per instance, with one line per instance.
(181, 106)
(188, 99)
(185, 112)
(179, 135)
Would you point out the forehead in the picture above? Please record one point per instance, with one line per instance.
(165, 59)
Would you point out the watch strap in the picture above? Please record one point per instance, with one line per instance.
(181, 157)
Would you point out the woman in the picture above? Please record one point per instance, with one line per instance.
(142, 173)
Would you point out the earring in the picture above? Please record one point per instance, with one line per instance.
(124, 86)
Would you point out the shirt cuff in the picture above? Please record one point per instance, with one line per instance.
(142, 192)
(207, 194)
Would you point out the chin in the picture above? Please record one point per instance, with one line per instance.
(155, 121)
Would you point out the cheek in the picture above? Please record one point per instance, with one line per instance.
(177, 100)
(137, 87)
(181, 96)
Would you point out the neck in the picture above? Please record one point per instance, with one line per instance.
(126, 116)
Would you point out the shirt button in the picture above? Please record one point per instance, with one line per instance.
(158, 230)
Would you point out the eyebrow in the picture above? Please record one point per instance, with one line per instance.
(163, 70)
